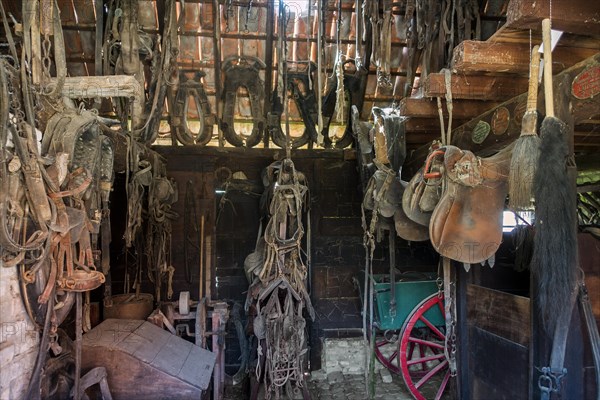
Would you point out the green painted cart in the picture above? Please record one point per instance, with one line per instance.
(410, 337)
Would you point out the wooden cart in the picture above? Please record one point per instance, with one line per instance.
(411, 339)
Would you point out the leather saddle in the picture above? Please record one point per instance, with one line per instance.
(424, 190)
(466, 224)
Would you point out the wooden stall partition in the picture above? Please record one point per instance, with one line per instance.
(498, 338)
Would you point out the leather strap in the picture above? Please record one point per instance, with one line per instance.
(551, 378)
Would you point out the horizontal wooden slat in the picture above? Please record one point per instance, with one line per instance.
(575, 16)
(475, 87)
(472, 57)
(427, 108)
(500, 313)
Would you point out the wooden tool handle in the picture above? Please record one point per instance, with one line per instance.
(534, 72)
(549, 99)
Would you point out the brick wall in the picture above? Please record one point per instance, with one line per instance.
(18, 338)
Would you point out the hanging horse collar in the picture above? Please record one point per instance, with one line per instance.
(243, 74)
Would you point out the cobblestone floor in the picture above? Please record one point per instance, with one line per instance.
(336, 386)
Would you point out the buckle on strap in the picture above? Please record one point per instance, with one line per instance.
(550, 381)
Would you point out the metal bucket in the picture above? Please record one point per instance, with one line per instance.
(130, 306)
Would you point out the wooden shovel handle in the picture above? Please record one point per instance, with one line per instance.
(549, 99)
(534, 72)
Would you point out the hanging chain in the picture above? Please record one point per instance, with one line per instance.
(46, 61)
(450, 345)
(18, 115)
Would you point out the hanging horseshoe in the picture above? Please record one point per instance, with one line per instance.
(243, 74)
(192, 88)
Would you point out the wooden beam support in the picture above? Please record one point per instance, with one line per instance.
(503, 122)
(426, 108)
(472, 56)
(502, 132)
(475, 87)
(102, 86)
(575, 16)
(420, 125)
(90, 87)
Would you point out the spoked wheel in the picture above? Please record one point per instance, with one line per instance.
(387, 347)
(423, 363)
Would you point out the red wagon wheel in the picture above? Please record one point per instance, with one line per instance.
(426, 373)
(387, 350)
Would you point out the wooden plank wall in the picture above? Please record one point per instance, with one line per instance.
(498, 337)
(337, 237)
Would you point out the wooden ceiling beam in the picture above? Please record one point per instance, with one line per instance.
(582, 97)
(427, 108)
(575, 89)
(475, 87)
(427, 124)
(575, 16)
(473, 57)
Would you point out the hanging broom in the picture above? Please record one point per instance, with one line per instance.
(554, 253)
(526, 152)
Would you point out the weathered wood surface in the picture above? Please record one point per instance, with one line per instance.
(582, 109)
(473, 57)
(500, 313)
(497, 367)
(101, 86)
(427, 108)
(575, 16)
(144, 361)
(475, 87)
(104, 87)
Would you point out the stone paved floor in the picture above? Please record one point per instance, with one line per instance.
(336, 386)
(352, 387)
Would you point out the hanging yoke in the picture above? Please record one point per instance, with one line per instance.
(352, 91)
(244, 74)
(303, 94)
(195, 89)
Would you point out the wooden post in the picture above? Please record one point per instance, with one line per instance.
(269, 63)
(462, 335)
(217, 63)
(78, 331)
(219, 320)
(201, 272)
(99, 36)
(208, 268)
